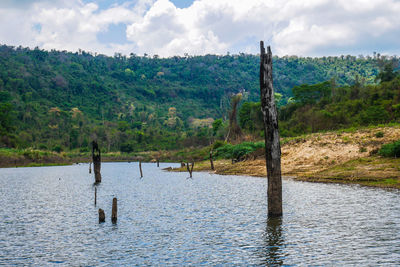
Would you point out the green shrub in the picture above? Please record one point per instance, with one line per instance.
(218, 144)
(127, 147)
(57, 148)
(229, 151)
(84, 149)
(390, 150)
(43, 147)
(379, 135)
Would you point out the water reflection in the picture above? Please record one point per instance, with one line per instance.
(273, 240)
(211, 220)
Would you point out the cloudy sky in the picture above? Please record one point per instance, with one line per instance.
(198, 27)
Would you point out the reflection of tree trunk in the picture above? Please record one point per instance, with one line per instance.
(272, 143)
(96, 155)
(273, 253)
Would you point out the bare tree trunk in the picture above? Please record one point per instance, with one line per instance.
(95, 196)
(272, 143)
(96, 155)
(211, 160)
(190, 168)
(140, 168)
(114, 211)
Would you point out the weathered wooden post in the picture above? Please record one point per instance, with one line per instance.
(90, 167)
(96, 155)
(140, 168)
(272, 143)
(102, 216)
(114, 210)
(211, 159)
(158, 162)
(190, 168)
(95, 196)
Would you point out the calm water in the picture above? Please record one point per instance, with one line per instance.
(48, 217)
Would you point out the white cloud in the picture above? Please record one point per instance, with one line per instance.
(302, 27)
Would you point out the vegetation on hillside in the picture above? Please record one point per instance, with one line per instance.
(57, 100)
(326, 106)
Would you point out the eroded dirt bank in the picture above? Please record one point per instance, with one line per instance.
(343, 157)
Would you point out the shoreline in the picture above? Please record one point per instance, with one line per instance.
(346, 157)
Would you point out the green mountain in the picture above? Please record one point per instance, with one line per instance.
(62, 100)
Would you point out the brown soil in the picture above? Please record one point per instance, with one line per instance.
(346, 157)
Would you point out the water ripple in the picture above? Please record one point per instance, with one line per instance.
(48, 217)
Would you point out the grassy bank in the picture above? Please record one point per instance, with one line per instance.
(37, 158)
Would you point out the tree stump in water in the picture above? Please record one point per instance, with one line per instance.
(140, 168)
(96, 156)
(272, 143)
(102, 216)
(190, 168)
(114, 211)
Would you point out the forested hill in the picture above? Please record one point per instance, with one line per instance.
(54, 98)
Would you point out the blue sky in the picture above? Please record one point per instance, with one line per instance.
(176, 27)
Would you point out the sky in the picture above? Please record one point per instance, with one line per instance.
(198, 27)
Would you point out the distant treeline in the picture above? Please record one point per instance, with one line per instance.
(59, 100)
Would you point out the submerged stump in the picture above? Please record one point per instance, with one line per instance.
(102, 216)
(96, 156)
(272, 143)
(114, 210)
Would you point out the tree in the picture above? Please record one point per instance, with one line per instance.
(234, 131)
(387, 74)
(308, 94)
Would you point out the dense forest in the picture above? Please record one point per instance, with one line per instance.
(60, 100)
(326, 106)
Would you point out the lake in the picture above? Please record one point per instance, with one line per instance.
(48, 217)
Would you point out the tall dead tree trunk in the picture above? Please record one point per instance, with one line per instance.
(96, 156)
(272, 143)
